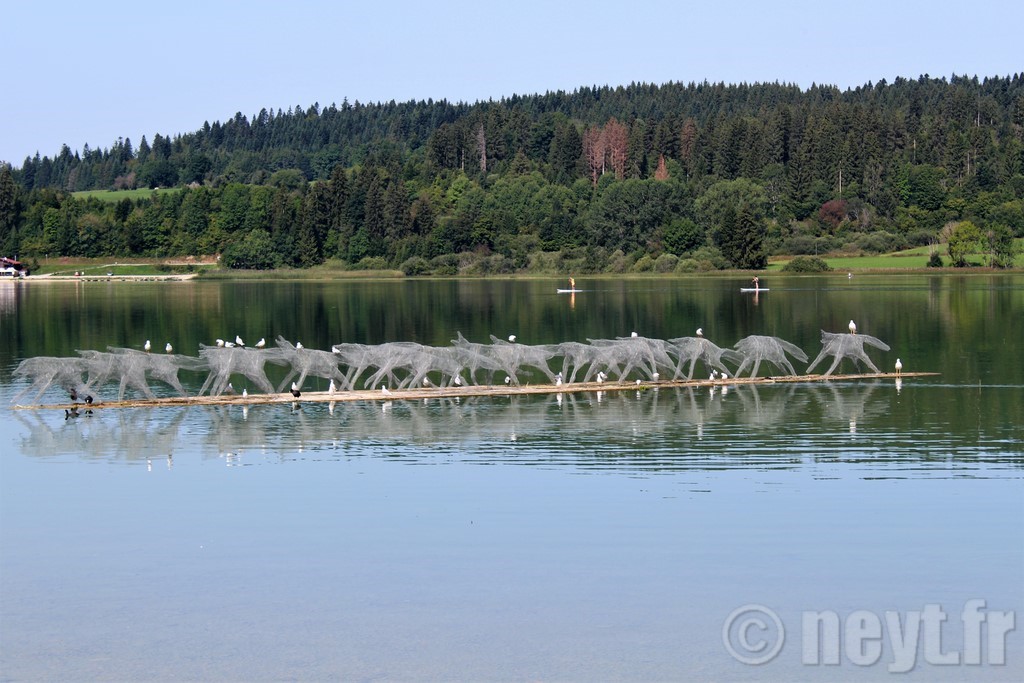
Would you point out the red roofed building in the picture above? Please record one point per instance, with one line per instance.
(11, 268)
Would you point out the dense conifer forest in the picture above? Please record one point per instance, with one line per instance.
(674, 177)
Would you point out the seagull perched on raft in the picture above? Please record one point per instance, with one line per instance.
(245, 393)
(508, 380)
(899, 367)
(384, 390)
(295, 390)
(331, 388)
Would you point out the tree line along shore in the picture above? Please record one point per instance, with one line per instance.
(675, 178)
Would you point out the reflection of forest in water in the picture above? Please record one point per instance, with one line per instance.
(665, 429)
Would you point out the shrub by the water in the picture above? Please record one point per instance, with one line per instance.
(415, 265)
(806, 264)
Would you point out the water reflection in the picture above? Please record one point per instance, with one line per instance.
(783, 426)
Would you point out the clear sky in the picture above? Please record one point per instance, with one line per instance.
(80, 73)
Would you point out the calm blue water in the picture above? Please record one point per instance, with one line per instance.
(593, 538)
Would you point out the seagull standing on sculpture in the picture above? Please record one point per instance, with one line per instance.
(147, 346)
(261, 343)
(238, 341)
(853, 327)
(700, 331)
(169, 348)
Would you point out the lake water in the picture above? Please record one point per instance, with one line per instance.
(579, 538)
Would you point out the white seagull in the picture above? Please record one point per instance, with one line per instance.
(261, 343)
(168, 348)
(899, 367)
(245, 393)
(700, 331)
(147, 346)
(633, 334)
(331, 388)
(853, 327)
(220, 342)
(298, 345)
(384, 390)
(238, 341)
(295, 390)
(512, 338)
(508, 380)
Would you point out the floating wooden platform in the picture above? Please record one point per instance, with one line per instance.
(460, 391)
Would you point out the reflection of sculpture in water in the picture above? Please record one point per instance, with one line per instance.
(129, 434)
(841, 346)
(756, 348)
(848, 404)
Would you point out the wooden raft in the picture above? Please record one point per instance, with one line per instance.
(466, 391)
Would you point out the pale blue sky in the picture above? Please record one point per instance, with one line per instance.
(90, 72)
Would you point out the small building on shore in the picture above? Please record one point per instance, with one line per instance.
(11, 268)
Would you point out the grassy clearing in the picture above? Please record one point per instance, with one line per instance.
(103, 266)
(118, 195)
(908, 259)
(316, 273)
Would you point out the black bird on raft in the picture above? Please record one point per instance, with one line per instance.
(88, 399)
(295, 390)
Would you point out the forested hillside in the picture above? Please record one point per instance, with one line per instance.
(644, 177)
